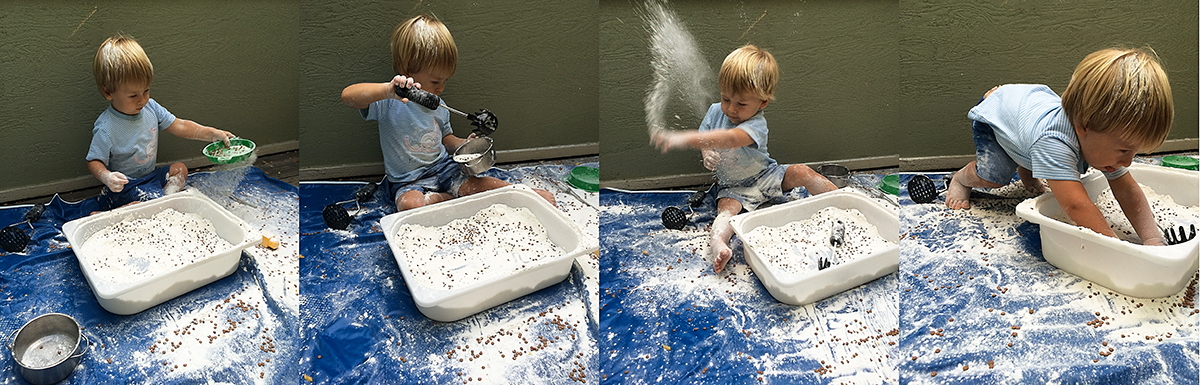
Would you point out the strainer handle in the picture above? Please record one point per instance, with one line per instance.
(9, 341)
(86, 349)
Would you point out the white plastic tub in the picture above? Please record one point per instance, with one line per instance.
(459, 302)
(1127, 268)
(803, 289)
(126, 298)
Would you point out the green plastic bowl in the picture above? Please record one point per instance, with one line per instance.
(219, 154)
(1184, 162)
(891, 184)
(584, 178)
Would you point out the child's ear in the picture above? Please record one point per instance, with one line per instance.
(764, 104)
(107, 95)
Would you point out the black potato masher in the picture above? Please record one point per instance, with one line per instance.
(485, 121)
(1174, 239)
(336, 216)
(674, 218)
(837, 238)
(12, 238)
(921, 189)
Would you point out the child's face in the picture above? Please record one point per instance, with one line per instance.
(740, 107)
(1105, 150)
(129, 97)
(432, 80)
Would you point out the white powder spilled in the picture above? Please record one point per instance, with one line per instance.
(681, 74)
(1167, 213)
(497, 241)
(225, 333)
(225, 178)
(853, 334)
(797, 246)
(135, 249)
(982, 297)
(276, 215)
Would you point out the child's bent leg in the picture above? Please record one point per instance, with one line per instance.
(722, 232)
(1031, 184)
(176, 178)
(800, 175)
(415, 198)
(476, 185)
(959, 190)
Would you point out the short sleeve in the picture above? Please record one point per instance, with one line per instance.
(165, 118)
(375, 108)
(1052, 158)
(101, 145)
(756, 127)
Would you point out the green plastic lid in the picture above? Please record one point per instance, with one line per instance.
(1176, 161)
(891, 184)
(585, 178)
(239, 149)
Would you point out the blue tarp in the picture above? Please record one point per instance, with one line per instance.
(981, 305)
(667, 318)
(361, 326)
(217, 333)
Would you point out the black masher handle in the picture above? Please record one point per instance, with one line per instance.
(419, 96)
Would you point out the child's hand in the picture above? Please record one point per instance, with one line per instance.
(711, 158)
(115, 181)
(403, 82)
(220, 135)
(669, 140)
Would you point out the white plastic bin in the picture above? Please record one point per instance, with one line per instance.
(1127, 268)
(126, 298)
(803, 289)
(460, 302)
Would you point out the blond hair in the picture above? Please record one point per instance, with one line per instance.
(1124, 91)
(119, 60)
(749, 70)
(421, 43)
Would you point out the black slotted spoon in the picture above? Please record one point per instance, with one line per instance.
(12, 238)
(335, 215)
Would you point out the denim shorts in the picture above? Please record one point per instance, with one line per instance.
(754, 191)
(141, 189)
(992, 163)
(444, 177)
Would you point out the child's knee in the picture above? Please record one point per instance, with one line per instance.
(410, 200)
(178, 170)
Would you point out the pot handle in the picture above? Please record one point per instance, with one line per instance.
(9, 341)
(85, 350)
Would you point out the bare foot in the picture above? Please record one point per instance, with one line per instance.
(958, 195)
(721, 255)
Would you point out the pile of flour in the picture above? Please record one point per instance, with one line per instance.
(796, 246)
(135, 249)
(496, 241)
(1166, 212)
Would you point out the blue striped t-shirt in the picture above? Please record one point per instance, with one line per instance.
(1030, 125)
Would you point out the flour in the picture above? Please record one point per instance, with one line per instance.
(137, 249)
(466, 158)
(232, 151)
(714, 321)
(680, 71)
(1167, 213)
(797, 246)
(978, 294)
(497, 241)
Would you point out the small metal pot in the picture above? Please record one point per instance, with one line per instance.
(48, 348)
(475, 156)
(836, 173)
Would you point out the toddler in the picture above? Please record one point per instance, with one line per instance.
(733, 141)
(417, 141)
(125, 137)
(1118, 103)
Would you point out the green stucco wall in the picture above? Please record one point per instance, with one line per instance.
(951, 52)
(836, 98)
(231, 65)
(533, 64)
